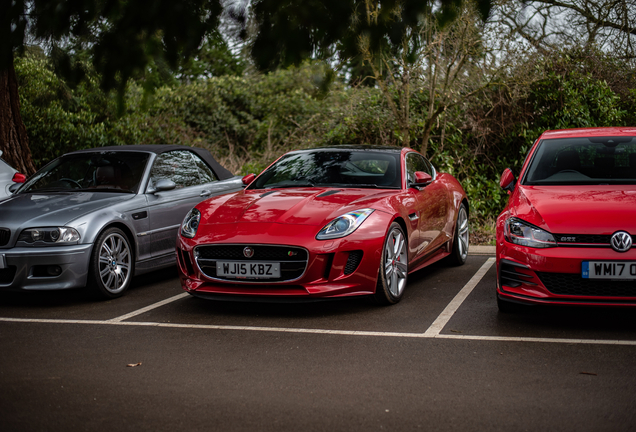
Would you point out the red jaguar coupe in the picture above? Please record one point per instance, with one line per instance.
(566, 235)
(324, 223)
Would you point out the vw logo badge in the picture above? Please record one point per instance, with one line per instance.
(621, 241)
(249, 252)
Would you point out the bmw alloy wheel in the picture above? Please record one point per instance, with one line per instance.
(111, 270)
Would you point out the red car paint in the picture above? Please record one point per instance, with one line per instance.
(567, 211)
(293, 216)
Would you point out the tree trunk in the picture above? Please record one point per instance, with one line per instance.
(14, 141)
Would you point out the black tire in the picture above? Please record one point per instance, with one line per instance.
(112, 264)
(394, 266)
(459, 252)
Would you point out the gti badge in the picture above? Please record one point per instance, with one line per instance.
(248, 252)
(621, 241)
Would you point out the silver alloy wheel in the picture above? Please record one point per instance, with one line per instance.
(462, 233)
(114, 263)
(395, 262)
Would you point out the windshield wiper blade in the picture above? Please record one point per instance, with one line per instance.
(303, 184)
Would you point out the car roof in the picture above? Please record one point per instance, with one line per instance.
(585, 132)
(357, 147)
(218, 169)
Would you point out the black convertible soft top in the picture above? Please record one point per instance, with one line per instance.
(220, 171)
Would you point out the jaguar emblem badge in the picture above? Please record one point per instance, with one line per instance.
(621, 241)
(248, 252)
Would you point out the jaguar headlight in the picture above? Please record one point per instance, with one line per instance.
(50, 235)
(522, 233)
(343, 225)
(191, 223)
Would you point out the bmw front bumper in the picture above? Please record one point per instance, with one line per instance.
(50, 268)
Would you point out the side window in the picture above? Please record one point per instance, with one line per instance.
(415, 162)
(205, 173)
(177, 166)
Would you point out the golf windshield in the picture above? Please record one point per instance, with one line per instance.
(583, 161)
(333, 168)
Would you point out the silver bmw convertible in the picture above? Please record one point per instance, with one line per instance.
(98, 217)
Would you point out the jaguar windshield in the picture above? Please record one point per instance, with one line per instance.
(333, 168)
(583, 161)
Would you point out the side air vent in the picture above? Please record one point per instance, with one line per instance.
(353, 261)
(511, 276)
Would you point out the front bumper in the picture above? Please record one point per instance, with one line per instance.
(328, 272)
(28, 268)
(554, 276)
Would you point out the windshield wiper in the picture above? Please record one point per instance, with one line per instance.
(291, 185)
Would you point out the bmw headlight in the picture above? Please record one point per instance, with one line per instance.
(522, 233)
(191, 223)
(50, 235)
(343, 225)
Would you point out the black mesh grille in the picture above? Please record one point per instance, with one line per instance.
(293, 260)
(353, 261)
(5, 233)
(574, 284)
(261, 252)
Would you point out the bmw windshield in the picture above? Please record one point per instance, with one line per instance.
(333, 168)
(583, 161)
(95, 172)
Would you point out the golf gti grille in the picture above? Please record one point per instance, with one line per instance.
(574, 284)
(5, 234)
(585, 239)
(293, 260)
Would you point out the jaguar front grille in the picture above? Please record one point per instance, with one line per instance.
(293, 260)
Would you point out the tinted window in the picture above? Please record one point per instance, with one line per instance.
(338, 168)
(178, 166)
(111, 171)
(596, 160)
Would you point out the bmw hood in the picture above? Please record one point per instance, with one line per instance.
(599, 209)
(54, 209)
(300, 206)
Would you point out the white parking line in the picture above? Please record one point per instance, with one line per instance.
(148, 308)
(325, 331)
(452, 307)
(433, 332)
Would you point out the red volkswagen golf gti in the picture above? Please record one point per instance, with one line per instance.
(566, 235)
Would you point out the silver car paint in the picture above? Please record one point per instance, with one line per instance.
(90, 213)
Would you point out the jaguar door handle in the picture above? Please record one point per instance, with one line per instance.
(205, 192)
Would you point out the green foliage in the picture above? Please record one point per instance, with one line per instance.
(248, 120)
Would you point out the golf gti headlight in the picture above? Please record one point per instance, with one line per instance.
(343, 225)
(50, 235)
(522, 233)
(191, 223)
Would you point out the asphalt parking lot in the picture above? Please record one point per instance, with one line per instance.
(442, 359)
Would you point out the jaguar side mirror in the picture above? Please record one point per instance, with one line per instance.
(421, 179)
(248, 179)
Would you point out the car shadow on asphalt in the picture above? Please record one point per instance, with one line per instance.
(81, 296)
